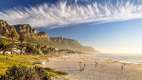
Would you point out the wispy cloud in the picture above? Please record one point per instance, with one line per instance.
(61, 14)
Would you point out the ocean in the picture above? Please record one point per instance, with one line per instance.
(126, 58)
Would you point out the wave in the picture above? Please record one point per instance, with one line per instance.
(123, 58)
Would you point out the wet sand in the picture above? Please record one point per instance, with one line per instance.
(87, 67)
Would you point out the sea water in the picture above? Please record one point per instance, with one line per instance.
(126, 58)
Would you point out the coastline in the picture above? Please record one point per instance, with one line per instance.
(95, 69)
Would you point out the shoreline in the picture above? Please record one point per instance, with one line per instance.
(94, 67)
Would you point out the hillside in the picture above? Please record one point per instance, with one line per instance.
(41, 38)
(65, 43)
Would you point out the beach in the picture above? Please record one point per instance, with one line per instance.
(88, 67)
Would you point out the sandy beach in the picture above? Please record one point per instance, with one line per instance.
(88, 67)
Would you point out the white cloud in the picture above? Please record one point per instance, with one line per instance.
(61, 14)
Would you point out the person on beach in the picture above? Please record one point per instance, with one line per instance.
(64, 59)
(123, 66)
(96, 63)
(81, 66)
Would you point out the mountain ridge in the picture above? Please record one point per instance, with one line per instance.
(33, 35)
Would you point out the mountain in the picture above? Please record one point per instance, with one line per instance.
(31, 33)
(5, 28)
(34, 36)
(65, 43)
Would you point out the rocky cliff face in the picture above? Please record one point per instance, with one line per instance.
(28, 31)
(4, 28)
(24, 28)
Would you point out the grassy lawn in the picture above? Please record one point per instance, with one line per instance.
(7, 61)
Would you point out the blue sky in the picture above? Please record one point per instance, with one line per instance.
(114, 37)
(111, 26)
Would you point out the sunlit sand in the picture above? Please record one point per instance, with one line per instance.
(87, 67)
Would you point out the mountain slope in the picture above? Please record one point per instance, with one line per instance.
(65, 43)
(42, 38)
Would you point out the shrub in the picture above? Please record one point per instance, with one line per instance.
(4, 45)
(23, 73)
(20, 72)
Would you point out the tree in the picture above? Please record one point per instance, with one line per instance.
(21, 39)
(31, 49)
(4, 45)
(34, 49)
(38, 49)
(13, 35)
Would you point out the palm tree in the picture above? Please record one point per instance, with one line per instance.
(21, 39)
(13, 35)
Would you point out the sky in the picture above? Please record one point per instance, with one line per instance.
(110, 26)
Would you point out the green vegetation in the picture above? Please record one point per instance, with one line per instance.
(5, 45)
(7, 61)
(15, 67)
(24, 46)
(20, 72)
